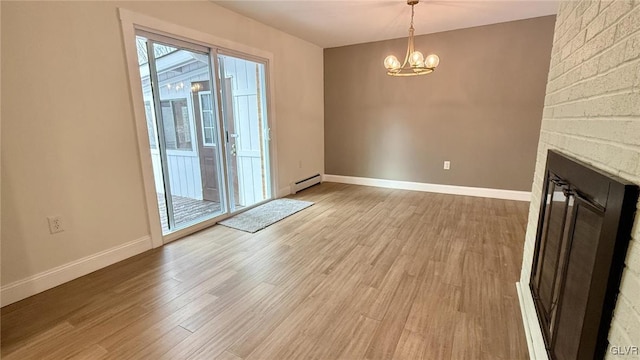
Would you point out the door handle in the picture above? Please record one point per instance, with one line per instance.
(233, 150)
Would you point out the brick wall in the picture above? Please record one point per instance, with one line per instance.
(592, 112)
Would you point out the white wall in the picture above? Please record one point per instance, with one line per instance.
(592, 112)
(68, 139)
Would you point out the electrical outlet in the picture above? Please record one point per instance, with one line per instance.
(447, 165)
(55, 224)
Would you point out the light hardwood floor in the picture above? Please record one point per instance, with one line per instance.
(364, 273)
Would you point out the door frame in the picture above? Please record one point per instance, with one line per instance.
(131, 21)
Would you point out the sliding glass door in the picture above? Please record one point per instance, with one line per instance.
(209, 149)
(177, 82)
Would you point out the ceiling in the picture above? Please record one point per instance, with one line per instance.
(333, 23)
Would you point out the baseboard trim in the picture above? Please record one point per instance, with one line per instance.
(46, 280)
(435, 188)
(285, 191)
(535, 342)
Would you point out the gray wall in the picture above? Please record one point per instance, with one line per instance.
(480, 109)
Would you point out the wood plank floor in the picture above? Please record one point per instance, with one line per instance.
(365, 273)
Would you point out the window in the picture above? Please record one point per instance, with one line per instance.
(206, 114)
(177, 128)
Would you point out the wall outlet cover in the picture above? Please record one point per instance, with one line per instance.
(55, 224)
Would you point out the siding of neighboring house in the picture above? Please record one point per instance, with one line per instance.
(184, 165)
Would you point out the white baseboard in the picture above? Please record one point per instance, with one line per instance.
(46, 280)
(535, 342)
(285, 191)
(435, 188)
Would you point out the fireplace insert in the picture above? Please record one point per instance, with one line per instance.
(583, 233)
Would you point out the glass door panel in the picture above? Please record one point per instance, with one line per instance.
(247, 132)
(183, 129)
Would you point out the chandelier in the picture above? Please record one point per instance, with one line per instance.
(414, 62)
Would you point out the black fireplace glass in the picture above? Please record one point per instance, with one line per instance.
(573, 303)
(553, 244)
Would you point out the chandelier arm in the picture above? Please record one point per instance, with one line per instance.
(409, 51)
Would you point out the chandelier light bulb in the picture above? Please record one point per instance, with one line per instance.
(391, 62)
(432, 61)
(416, 59)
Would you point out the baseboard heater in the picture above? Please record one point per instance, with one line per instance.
(306, 183)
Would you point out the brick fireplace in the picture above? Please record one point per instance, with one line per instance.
(592, 114)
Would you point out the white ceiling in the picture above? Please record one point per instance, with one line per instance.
(332, 23)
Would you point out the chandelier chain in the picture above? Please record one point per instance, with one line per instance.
(412, 13)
